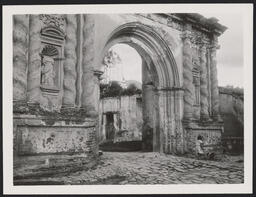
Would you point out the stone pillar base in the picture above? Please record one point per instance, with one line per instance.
(36, 135)
(210, 131)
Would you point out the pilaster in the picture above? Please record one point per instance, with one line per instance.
(69, 80)
(214, 80)
(20, 58)
(187, 76)
(204, 107)
(90, 84)
(34, 59)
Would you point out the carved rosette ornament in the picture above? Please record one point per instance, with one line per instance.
(214, 82)
(89, 79)
(34, 59)
(203, 84)
(187, 76)
(20, 49)
(69, 82)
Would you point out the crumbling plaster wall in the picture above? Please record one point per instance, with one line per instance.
(232, 112)
(130, 117)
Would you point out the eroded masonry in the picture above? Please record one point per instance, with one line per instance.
(58, 60)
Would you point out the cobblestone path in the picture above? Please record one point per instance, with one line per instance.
(155, 168)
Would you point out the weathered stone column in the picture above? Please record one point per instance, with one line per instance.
(34, 59)
(187, 76)
(214, 81)
(79, 53)
(204, 107)
(69, 81)
(20, 59)
(161, 120)
(148, 135)
(90, 78)
(180, 132)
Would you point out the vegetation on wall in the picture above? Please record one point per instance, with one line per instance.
(235, 91)
(114, 89)
(232, 110)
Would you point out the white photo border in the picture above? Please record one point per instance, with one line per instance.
(8, 11)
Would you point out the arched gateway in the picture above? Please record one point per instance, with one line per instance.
(161, 89)
(56, 102)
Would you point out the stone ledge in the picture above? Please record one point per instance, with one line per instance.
(36, 167)
(33, 120)
(210, 125)
(24, 108)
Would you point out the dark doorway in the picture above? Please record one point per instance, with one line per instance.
(110, 129)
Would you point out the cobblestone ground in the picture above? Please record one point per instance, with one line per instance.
(155, 168)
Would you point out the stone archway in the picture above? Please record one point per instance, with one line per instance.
(162, 106)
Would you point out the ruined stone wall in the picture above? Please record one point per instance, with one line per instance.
(35, 135)
(58, 58)
(183, 104)
(128, 112)
(54, 76)
(211, 134)
(232, 112)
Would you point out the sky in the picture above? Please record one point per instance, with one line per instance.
(229, 56)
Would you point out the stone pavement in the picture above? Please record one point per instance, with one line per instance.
(155, 168)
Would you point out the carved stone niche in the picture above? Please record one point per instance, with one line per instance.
(52, 50)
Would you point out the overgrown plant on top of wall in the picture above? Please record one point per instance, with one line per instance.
(114, 89)
(234, 91)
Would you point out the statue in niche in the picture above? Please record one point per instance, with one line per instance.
(49, 53)
(47, 71)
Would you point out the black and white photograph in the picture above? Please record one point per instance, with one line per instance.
(127, 98)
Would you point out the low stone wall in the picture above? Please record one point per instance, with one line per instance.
(211, 133)
(34, 135)
(46, 143)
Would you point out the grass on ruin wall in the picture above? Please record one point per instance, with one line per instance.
(114, 89)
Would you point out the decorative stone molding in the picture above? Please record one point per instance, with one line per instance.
(171, 22)
(167, 37)
(187, 76)
(20, 59)
(69, 80)
(203, 84)
(52, 47)
(196, 82)
(54, 20)
(34, 59)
